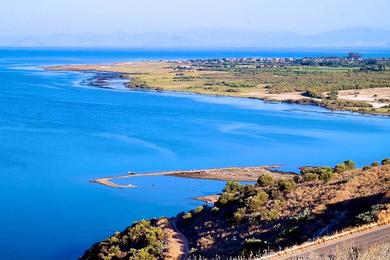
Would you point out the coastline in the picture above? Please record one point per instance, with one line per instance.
(354, 103)
(239, 174)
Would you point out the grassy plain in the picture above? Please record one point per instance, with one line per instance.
(319, 85)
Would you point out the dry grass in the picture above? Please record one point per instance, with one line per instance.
(279, 84)
(378, 251)
(332, 208)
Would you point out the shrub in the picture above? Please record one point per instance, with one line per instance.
(198, 210)
(214, 209)
(345, 166)
(371, 215)
(310, 176)
(254, 203)
(313, 94)
(297, 178)
(271, 214)
(333, 94)
(303, 215)
(286, 185)
(365, 168)
(375, 164)
(386, 161)
(188, 215)
(340, 168)
(226, 197)
(265, 180)
(232, 186)
(323, 173)
(143, 240)
(229, 192)
(239, 215)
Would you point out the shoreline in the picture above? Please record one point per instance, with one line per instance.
(346, 104)
(240, 174)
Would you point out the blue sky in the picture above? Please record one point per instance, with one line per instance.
(31, 17)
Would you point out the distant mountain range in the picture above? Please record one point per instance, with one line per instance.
(208, 38)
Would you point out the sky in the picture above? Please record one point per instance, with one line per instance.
(39, 17)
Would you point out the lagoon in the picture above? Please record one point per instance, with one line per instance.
(56, 134)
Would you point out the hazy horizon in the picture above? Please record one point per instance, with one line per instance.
(202, 23)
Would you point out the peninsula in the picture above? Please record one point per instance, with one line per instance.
(245, 174)
(325, 205)
(351, 83)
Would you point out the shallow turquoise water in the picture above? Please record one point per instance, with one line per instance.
(55, 135)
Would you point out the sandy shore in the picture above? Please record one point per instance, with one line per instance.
(378, 97)
(210, 199)
(159, 75)
(248, 174)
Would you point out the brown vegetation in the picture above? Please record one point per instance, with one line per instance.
(272, 214)
(336, 87)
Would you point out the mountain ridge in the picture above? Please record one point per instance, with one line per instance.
(211, 38)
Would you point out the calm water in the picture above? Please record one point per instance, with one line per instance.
(55, 135)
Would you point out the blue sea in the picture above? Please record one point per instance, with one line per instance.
(57, 133)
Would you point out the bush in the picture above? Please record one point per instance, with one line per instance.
(229, 192)
(323, 173)
(286, 185)
(265, 180)
(188, 215)
(255, 246)
(333, 94)
(198, 210)
(313, 94)
(386, 161)
(239, 215)
(310, 176)
(371, 215)
(375, 164)
(365, 168)
(232, 186)
(226, 197)
(345, 166)
(254, 203)
(340, 168)
(303, 215)
(214, 209)
(297, 178)
(271, 214)
(143, 240)
(350, 164)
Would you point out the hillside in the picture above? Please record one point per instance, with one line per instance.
(272, 214)
(358, 37)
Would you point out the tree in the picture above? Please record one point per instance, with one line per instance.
(286, 185)
(254, 203)
(345, 166)
(333, 94)
(265, 180)
(386, 161)
(239, 215)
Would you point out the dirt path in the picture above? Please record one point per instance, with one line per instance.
(177, 243)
